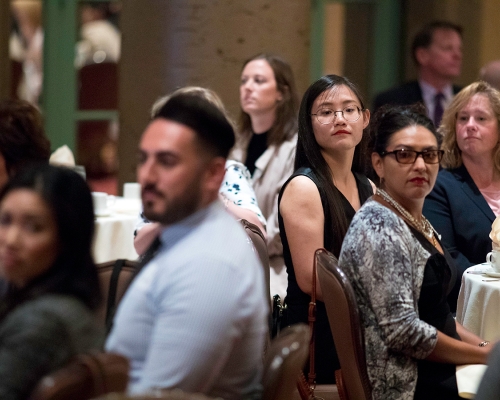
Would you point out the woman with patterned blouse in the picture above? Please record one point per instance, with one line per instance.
(401, 273)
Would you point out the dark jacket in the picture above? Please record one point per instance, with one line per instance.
(406, 94)
(458, 211)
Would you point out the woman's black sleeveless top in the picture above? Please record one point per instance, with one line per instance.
(298, 302)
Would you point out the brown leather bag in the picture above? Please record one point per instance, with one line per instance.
(306, 387)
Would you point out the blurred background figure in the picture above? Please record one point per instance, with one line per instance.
(466, 197)
(97, 56)
(22, 138)
(100, 39)
(46, 317)
(26, 48)
(266, 144)
(437, 52)
(491, 73)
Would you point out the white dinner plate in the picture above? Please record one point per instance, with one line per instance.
(494, 274)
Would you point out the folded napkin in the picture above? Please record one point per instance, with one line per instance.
(62, 156)
(468, 379)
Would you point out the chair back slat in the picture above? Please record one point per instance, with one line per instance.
(284, 359)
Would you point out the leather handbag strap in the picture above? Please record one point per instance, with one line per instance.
(312, 319)
(113, 285)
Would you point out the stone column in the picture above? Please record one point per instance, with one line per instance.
(169, 44)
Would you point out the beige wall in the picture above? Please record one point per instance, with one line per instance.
(166, 45)
(490, 31)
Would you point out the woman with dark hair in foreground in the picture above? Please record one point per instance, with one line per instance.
(46, 317)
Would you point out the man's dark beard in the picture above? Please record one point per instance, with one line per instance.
(179, 208)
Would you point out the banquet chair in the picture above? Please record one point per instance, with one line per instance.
(169, 394)
(284, 359)
(260, 247)
(85, 377)
(114, 279)
(352, 378)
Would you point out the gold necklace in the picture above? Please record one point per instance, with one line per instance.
(423, 226)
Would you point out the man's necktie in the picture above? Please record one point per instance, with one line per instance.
(438, 108)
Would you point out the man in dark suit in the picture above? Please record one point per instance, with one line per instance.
(437, 52)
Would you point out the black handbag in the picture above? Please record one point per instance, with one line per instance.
(279, 316)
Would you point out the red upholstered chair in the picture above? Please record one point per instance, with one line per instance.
(97, 90)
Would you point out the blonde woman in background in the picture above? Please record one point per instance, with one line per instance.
(466, 197)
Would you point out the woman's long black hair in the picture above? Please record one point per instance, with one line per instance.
(308, 154)
(69, 199)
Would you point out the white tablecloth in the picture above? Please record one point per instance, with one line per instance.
(478, 307)
(114, 234)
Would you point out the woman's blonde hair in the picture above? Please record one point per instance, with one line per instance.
(204, 93)
(452, 154)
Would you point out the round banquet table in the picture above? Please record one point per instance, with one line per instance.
(114, 233)
(478, 308)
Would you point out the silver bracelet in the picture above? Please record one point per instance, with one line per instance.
(484, 343)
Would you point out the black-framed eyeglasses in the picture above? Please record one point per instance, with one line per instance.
(404, 156)
(326, 116)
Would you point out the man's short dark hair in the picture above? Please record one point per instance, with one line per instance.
(209, 123)
(423, 38)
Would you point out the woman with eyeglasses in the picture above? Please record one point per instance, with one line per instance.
(466, 197)
(318, 201)
(401, 273)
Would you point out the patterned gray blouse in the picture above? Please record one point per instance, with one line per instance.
(385, 264)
